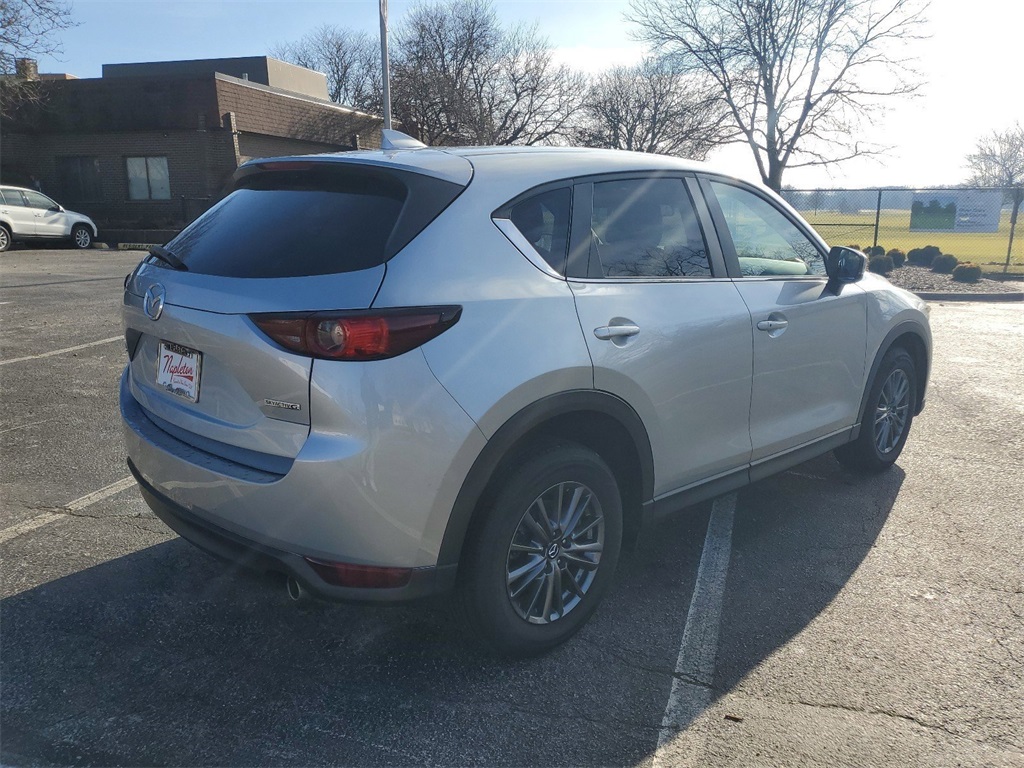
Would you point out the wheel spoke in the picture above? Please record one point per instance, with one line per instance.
(883, 436)
(544, 536)
(556, 580)
(581, 561)
(576, 510)
(902, 388)
(549, 598)
(530, 570)
(587, 528)
(536, 594)
(596, 546)
(573, 585)
(533, 548)
(545, 517)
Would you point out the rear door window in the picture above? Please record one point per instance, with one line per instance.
(647, 228)
(311, 222)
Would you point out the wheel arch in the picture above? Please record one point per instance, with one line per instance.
(88, 225)
(597, 420)
(912, 337)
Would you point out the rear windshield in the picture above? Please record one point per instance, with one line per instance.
(299, 223)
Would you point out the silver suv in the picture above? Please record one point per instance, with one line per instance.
(389, 374)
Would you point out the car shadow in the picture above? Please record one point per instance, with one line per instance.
(162, 657)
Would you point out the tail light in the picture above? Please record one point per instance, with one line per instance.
(368, 335)
(365, 576)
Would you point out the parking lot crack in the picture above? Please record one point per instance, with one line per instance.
(621, 660)
(931, 726)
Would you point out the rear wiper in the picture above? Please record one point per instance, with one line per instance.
(167, 257)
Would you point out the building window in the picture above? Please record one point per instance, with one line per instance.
(79, 178)
(148, 179)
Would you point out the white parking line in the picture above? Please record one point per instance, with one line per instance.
(62, 351)
(695, 666)
(108, 490)
(27, 525)
(75, 506)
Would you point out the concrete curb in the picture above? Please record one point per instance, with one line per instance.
(970, 296)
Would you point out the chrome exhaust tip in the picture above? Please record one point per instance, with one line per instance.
(295, 590)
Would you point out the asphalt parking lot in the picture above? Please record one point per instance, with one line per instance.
(863, 622)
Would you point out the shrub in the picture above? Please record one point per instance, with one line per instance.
(898, 257)
(944, 263)
(876, 250)
(967, 273)
(855, 247)
(923, 256)
(880, 265)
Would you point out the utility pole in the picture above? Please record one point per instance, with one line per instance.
(385, 74)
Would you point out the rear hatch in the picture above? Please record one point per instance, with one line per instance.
(294, 236)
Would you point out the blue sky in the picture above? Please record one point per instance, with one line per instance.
(970, 61)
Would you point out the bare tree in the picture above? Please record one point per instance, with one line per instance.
(795, 75)
(460, 77)
(349, 58)
(28, 30)
(519, 95)
(999, 162)
(651, 107)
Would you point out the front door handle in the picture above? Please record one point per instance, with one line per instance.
(772, 325)
(606, 332)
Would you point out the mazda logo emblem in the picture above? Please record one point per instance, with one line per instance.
(153, 303)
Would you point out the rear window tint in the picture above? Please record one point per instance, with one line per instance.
(289, 224)
(544, 220)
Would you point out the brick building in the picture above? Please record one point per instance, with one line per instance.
(150, 146)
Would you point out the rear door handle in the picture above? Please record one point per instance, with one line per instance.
(606, 332)
(772, 325)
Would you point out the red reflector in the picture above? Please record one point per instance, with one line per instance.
(364, 576)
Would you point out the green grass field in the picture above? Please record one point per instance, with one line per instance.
(985, 248)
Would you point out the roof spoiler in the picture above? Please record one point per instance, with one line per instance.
(391, 140)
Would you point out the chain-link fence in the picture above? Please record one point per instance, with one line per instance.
(972, 223)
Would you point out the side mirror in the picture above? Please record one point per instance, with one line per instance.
(843, 265)
(56, 208)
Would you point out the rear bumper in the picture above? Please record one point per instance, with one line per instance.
(371, 488)
(252, 555)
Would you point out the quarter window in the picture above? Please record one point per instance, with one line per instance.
(647, 228)
(767, 243)
(544, 220)
(148, 178)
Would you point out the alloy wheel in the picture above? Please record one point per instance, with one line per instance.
(555, 553)
(82, 238)
(891, 411)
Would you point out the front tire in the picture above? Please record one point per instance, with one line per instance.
(81, 236)
(543, 552)
(888, 414)
(5, 238)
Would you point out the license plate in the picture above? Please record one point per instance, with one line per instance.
(178, 369)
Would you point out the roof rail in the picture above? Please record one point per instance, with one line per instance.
(391, 140)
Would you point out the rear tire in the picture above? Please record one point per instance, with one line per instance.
(543, 551)
(888, 414)
(5, 238)
(81, 236)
